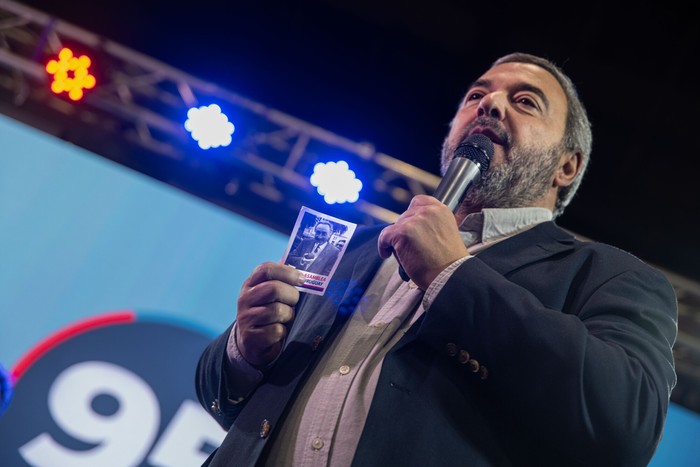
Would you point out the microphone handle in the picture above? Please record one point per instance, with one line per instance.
(461, 173)
(459, 176)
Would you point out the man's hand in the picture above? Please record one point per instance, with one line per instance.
(265, 311)
(425, 239)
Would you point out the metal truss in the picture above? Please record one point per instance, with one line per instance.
(135, 117)
(144, 103)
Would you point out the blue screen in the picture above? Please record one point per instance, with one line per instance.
(82, 236)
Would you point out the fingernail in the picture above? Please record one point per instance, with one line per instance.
(301, 278)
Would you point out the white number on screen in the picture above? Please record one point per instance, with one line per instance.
(124, 437)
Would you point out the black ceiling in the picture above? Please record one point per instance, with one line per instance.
(392, 72)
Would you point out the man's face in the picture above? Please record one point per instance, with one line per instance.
(522, 109)
(322, 233)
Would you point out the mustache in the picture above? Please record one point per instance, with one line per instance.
(491, 125)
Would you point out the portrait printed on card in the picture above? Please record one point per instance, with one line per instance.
(316, 246)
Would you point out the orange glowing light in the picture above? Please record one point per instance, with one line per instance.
(70, 74)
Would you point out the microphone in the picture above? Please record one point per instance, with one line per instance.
(471, 159)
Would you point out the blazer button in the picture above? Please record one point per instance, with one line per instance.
(463, 356)
(473, 365)
(451, 349)
(483, 373)
(215, 407)
(316, 343)
(265, 428)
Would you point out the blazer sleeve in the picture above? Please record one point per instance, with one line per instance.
(210, 382)
(294, 257)
(316, 318)
(579, 351)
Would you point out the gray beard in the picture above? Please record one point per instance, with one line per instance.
(521, 181)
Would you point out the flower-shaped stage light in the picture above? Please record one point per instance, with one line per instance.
(70, 74)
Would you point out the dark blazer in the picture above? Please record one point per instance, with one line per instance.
(575, 338)
(322, 264)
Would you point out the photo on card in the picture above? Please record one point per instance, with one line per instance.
(316, 245)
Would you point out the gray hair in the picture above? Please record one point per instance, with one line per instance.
(577, 134)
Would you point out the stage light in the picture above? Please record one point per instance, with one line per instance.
(209, 126)
(70, 74)
(336, 182)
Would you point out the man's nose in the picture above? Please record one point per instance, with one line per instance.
(492, 105)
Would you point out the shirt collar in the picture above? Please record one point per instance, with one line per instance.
(492, 224)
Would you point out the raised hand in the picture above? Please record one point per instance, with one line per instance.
(425, 239)
(265, 311)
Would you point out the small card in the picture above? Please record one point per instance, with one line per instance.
(316, 246)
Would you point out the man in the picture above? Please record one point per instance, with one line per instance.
(513, 344)
(315, 254)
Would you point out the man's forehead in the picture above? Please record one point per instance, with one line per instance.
(529, 73)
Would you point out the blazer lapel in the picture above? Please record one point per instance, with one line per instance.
(318, 313)
(535, 244)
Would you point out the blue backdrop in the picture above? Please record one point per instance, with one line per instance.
(83, 237)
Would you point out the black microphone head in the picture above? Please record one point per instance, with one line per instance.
(477, 148)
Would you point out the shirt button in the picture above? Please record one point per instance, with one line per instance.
(378, 324)
(344, 370)
(317, 443)
(412, 285)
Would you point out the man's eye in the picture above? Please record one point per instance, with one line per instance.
(474, 96)
(526, 101)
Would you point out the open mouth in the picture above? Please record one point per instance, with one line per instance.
(494, 135)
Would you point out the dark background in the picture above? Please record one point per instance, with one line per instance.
(392, 72)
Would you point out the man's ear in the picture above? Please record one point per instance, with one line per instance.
(570, 164)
